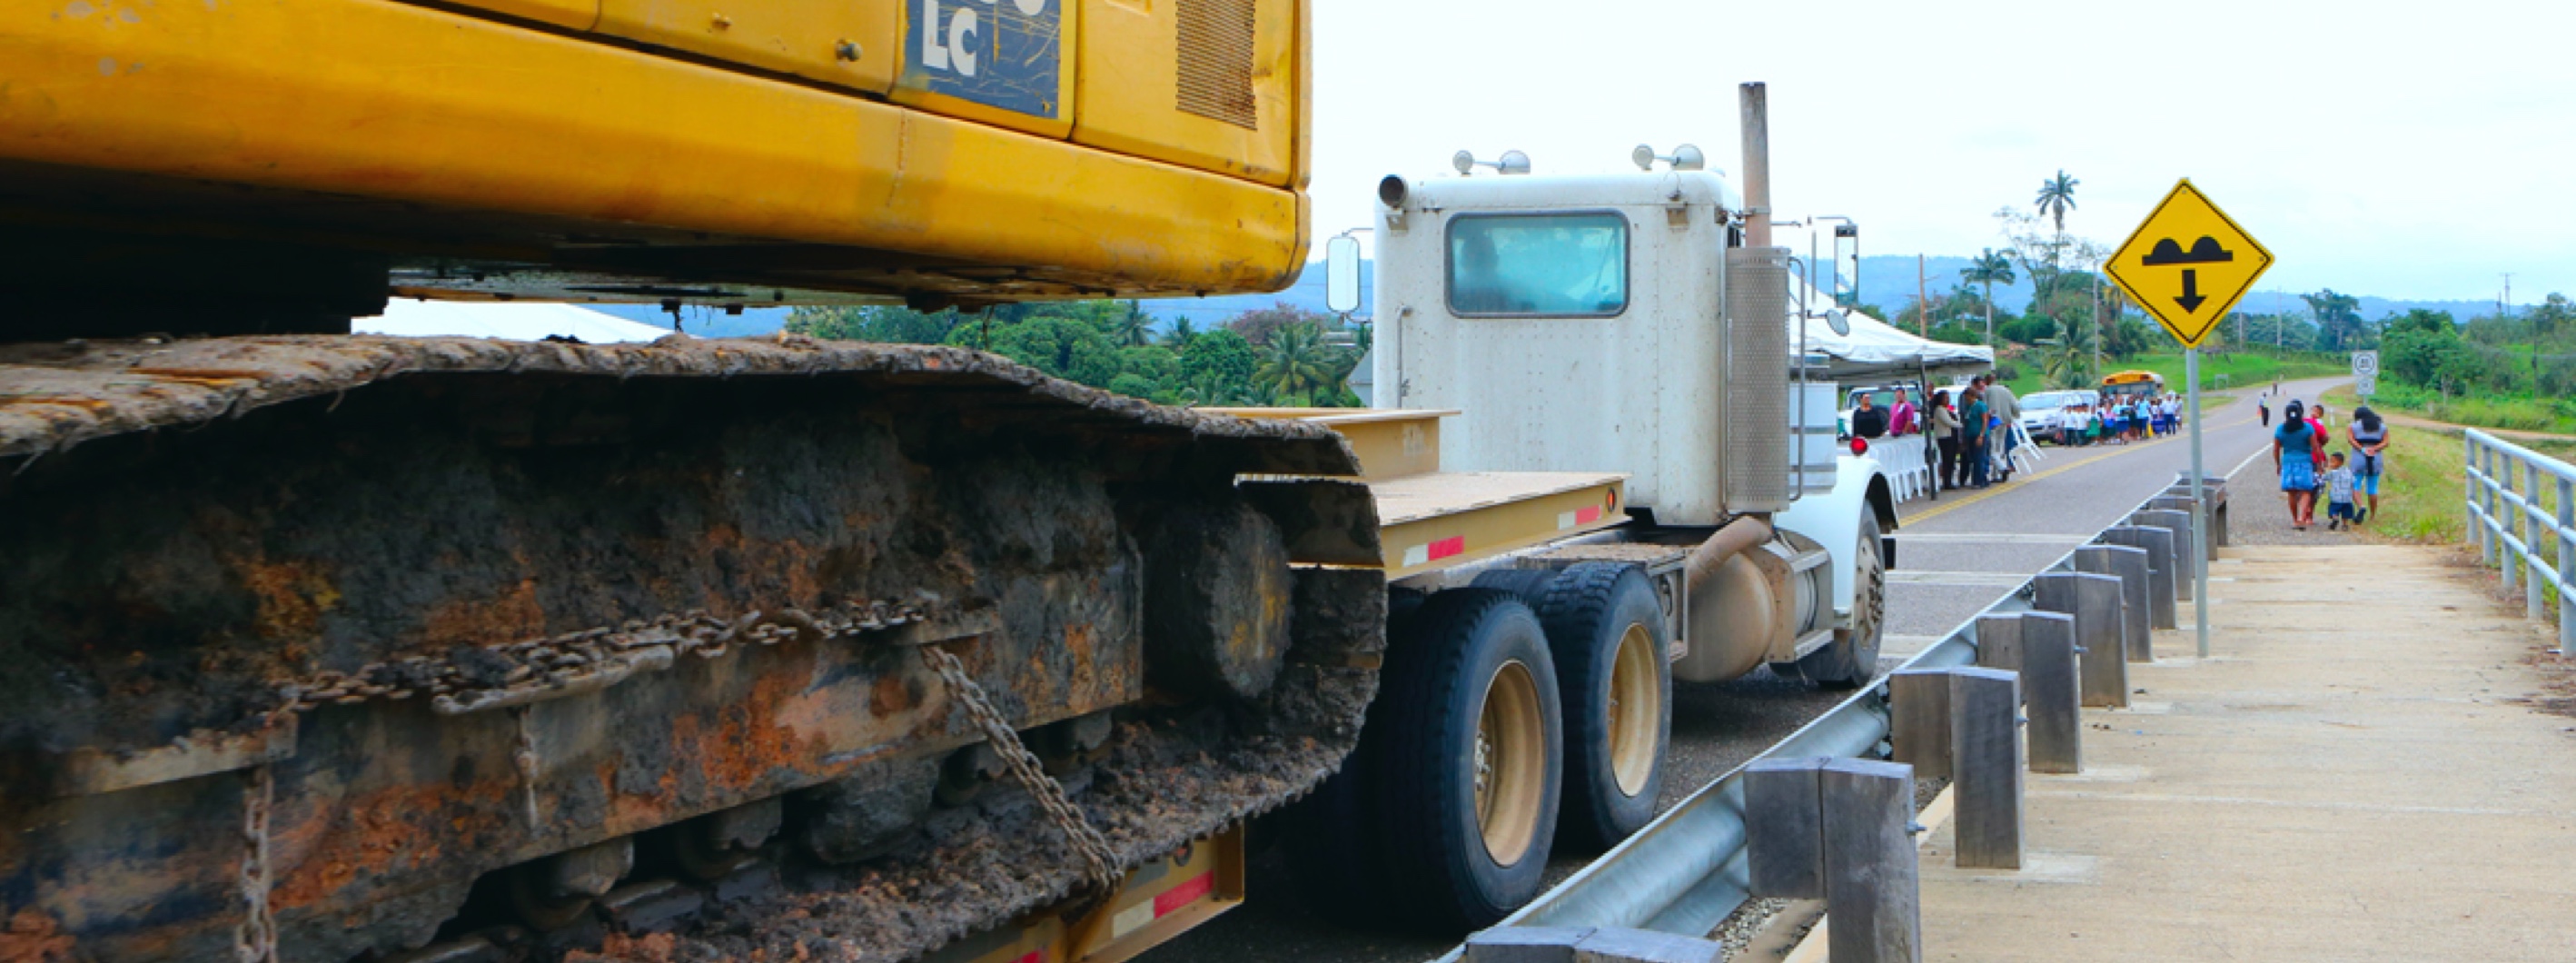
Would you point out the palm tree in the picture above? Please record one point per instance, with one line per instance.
(2056, 197)
(1295, 362)
(1130, 326)
(1989, 268)
(2066, 357)
(1181, 333)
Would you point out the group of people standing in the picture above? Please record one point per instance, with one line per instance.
(2308, 469)
(2118, 419)
(1975, 433)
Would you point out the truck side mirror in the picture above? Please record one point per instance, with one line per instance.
(1840, 322)
(1342, 274)
(1846, 264)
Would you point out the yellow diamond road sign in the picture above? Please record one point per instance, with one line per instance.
(2188, 264)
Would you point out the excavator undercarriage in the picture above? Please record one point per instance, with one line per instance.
(347, 646)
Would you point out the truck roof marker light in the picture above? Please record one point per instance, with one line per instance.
(1684, 158)
(1860, 446)
(1513, 162)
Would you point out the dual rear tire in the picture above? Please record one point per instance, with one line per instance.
(1508, 718)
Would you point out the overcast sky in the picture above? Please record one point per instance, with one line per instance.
(2402, 150)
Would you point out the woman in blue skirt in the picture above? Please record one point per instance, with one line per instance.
(2294, 446)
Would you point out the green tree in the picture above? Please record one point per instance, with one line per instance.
(1296, 362)
(2419, 346)
(1990, 268)
(1129, 325)
(2339, 324)
(1158, 365)
(889, 325)
(1216, 369)
(2056, 197)
(1258, 325)
(1180, 335)
(2029, 329)
(2554, 316)
(1067, 348)
(2066, 359)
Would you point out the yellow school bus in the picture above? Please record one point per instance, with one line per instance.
(2145, 384)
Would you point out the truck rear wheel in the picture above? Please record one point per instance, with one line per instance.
(1609, 638)
(1853, 657)
(1467, 758)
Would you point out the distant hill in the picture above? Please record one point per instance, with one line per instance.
(1888, 281)
(1203, 313)
(1885, 280)
(1307, 294)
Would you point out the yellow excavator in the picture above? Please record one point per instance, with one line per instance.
(322, 647)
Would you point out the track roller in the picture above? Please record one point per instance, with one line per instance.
(557, 891)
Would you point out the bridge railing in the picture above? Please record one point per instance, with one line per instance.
(1687, 870)
(2522, 518)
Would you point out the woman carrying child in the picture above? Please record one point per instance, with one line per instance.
(2294, 447)
(2369, 437)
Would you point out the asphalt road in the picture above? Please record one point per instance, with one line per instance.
(1955, 556)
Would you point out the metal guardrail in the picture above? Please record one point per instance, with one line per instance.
(1687, 870)
(2509, 520)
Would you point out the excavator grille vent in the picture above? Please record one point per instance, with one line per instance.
(1758, 474)
(1216, 51)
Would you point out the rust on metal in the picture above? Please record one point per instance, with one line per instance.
(518, 599)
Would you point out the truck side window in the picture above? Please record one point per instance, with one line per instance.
(1538, 265)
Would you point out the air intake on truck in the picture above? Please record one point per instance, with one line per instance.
(1757, 380)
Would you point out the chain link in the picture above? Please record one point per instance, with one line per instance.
(524, 755)
(468, 679)
(256, 940)
(1100, 866)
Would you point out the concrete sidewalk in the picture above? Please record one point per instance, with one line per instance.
(2363, 772)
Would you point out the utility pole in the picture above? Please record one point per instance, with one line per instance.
(1922, 305)
(2504, 306)
(2097, 324)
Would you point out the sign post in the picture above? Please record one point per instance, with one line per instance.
(2365, 373)
(2187, 265)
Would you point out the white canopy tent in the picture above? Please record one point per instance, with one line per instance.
(508, 321)
(1876, 349)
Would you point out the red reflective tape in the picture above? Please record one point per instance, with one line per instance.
(1587, 515)
(1033, 956)
(1453, 545)
(1184, 894)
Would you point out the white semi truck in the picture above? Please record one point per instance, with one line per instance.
(1614, 355)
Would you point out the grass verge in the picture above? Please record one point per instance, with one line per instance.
(2518, 413)
(2422, 492)
(2234, 370)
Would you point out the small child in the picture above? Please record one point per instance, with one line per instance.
(2339, 482)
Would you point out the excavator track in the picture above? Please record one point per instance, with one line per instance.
(336, 648)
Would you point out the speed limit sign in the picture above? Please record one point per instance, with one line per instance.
(2365, 364)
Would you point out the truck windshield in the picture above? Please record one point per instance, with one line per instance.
(1538, 265)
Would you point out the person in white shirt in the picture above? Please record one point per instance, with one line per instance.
(2073, 424)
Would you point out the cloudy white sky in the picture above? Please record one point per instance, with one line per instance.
(2402, 150)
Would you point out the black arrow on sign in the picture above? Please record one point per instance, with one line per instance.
(2190, 299)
